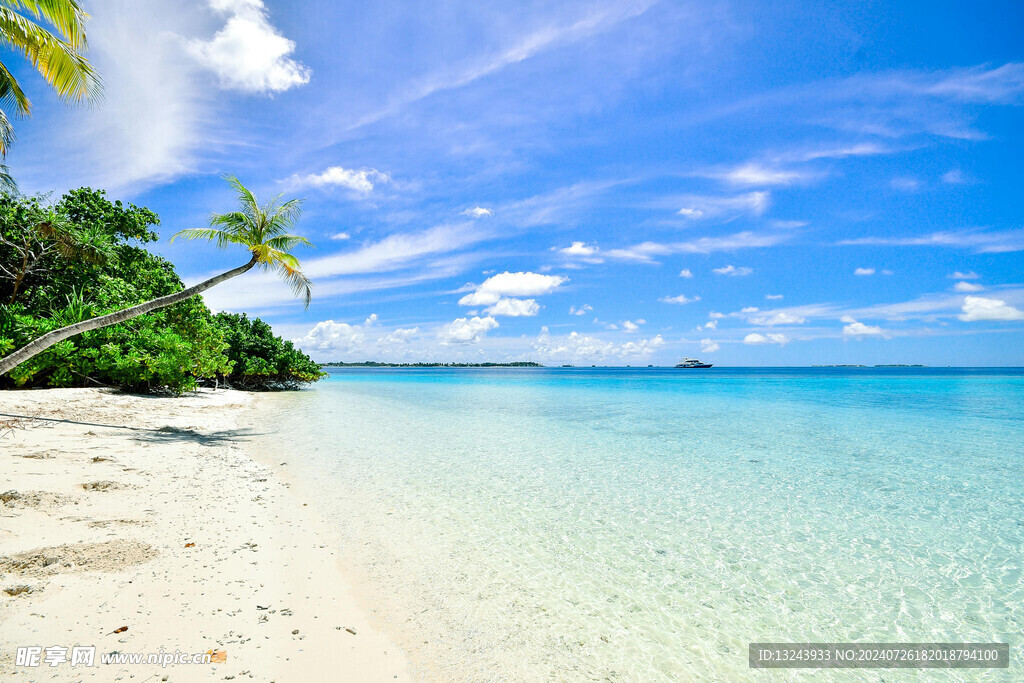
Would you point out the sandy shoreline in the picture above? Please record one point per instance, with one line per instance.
(96, 534)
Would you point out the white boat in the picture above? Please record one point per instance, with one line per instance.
(692, 363)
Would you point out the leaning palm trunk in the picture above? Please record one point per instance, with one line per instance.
(44, 342)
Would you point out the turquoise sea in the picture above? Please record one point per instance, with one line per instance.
(647, 524)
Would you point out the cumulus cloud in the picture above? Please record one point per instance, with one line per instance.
(681, 299)
(579, 347)
(967, 287)
(514, 308)
(977, 308)
(341, 236)
(506, 286)
(582, 310)
(630, 326)
(685, 272)
(756, 338)
(859, 329)
(248, 53)
(708, 346)
(466, 330)
(733, 271)
(329, 335)
(969, 275)
(477, 212)
(361, 181)
(864, 271)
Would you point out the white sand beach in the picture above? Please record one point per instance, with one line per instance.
(141, 525)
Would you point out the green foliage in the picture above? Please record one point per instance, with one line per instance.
(262, 361)
(169, 350)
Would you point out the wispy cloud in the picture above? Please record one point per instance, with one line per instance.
(696, 207)
(733, 271)
(681, 299)
(980, 242)
(646, 252)
(521, 49)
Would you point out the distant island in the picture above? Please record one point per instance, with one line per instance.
(894, 365)
(376, 364)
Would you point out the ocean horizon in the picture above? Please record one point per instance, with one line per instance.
(650, 523)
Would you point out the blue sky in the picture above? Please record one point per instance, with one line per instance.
(581, 182)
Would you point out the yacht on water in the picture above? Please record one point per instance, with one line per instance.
(692, 363)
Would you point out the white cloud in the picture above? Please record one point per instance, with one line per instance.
(905, 184)
(578, 249)
(733, 271)
(509, 284)
(977, 308)
(755, 338)
(967, 287)
(708, 346)
(361, 181)
(477, 212)
(514, 308)
(579, 347)
(248, 53)
(773, 297)
(630, 326)
(955, 177)
(778, 318)
(864, 271)
(401, 335)
(858, 150)
(341, 236)
(466, 330)
(394, 251)
(646, 251)
(858, 329)
(969, 275)
(681, 299)
(711, 206)
(982, 242)
(329, 335)
(685, 272)
(709, 325)
(755, 174)
(582, 310)
(749, 309)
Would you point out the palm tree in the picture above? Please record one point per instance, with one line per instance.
(55, 52)
(260, 229)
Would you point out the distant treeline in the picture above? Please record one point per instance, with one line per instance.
(375, 364)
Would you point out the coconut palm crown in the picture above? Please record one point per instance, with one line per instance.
(263, 230)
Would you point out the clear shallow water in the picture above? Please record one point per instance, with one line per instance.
(647, 524)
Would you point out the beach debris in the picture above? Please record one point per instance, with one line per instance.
(8, 496)
(350, 630)
(32, 499)
(110, 556)
(218, 656)
(19, 590)
(118, 630)
(100, 458)
(190, 545)
(104, 485)
(295, 632)
(262, 607)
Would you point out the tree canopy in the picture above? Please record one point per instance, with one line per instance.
(91, 261)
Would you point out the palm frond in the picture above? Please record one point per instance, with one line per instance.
(11, 94)
(67, 16)
(7, 182)
(220, 237)
(67, 71)
(300, 285)
(287, 242)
